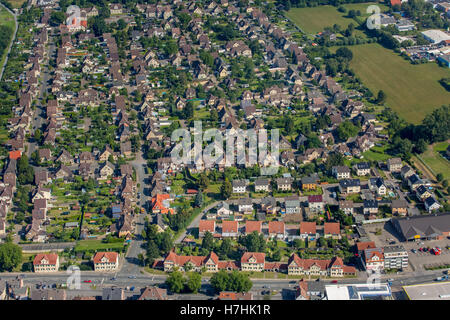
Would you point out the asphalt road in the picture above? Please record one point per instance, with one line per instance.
(100, 280)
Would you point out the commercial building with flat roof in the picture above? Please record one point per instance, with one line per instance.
(361, 291)
(435, 36)
(428, 291)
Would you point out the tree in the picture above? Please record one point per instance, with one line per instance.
(226, 248)
(226, 189)
(346, 130)
(10, 256)
(239, 282)
(254, 242)
(445, 183)
(188, 111)
(439, 177)
(381, 97)
(421, 146)
(99, 26)
(345, 53)
(194, 282)
(198, 202)
(152, 252)
(208, 241)
(57, 18)
(175, 281)
(219, 281)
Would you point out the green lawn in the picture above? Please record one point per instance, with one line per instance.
(434, 159)
(314, 20)
(94, 245)
(6, 19)
(412, 90)
(17, 3)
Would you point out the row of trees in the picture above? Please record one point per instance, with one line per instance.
(178, 283)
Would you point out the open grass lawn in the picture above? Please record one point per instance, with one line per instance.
(6, 19)
(434, 159)
(94, 245)
(17, 3)
(314, 20)
(412, 90)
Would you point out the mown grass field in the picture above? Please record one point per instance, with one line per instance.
(17, 3)
(314, 20)
(6, 19)
(412, 90)
(94, 245)
(434, 159)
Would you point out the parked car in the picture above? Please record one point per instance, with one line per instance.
(87, 281)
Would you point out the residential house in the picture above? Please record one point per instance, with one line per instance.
(316, 204)
(106, 261)
(394, 164)
(230, 229)
(341, 172)
(277, 229)
(253, 261)
(347, 186)
(46, 262)
(206, 226)
(284, 184)
(399, 207)
(332, 230)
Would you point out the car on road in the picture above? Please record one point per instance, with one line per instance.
(132, 277)
(414, 250)
(113, 279)
(87, 281)
(334, 281)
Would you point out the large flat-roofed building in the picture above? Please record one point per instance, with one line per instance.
(357, 291)
(428, 291)
(433, 226)
(435, 36)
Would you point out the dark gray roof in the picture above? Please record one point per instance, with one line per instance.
(420, 225)
(349, 183)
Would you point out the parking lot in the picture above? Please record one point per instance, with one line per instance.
(417, 260)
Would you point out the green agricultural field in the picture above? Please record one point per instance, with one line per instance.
(412, 90)
(314, 20)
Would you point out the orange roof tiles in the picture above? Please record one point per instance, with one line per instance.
(307, 227)
(332, 228)
(251, 226)
(15, 154)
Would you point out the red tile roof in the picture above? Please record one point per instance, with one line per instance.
(15, 154)
(50, 257)
(396, 2)
(361, 246)
(251, 226)
(206, 225)
(259, 256)
(230, 226)
(307, 227)
(276, 227)
(111, 256)
(332, 228)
